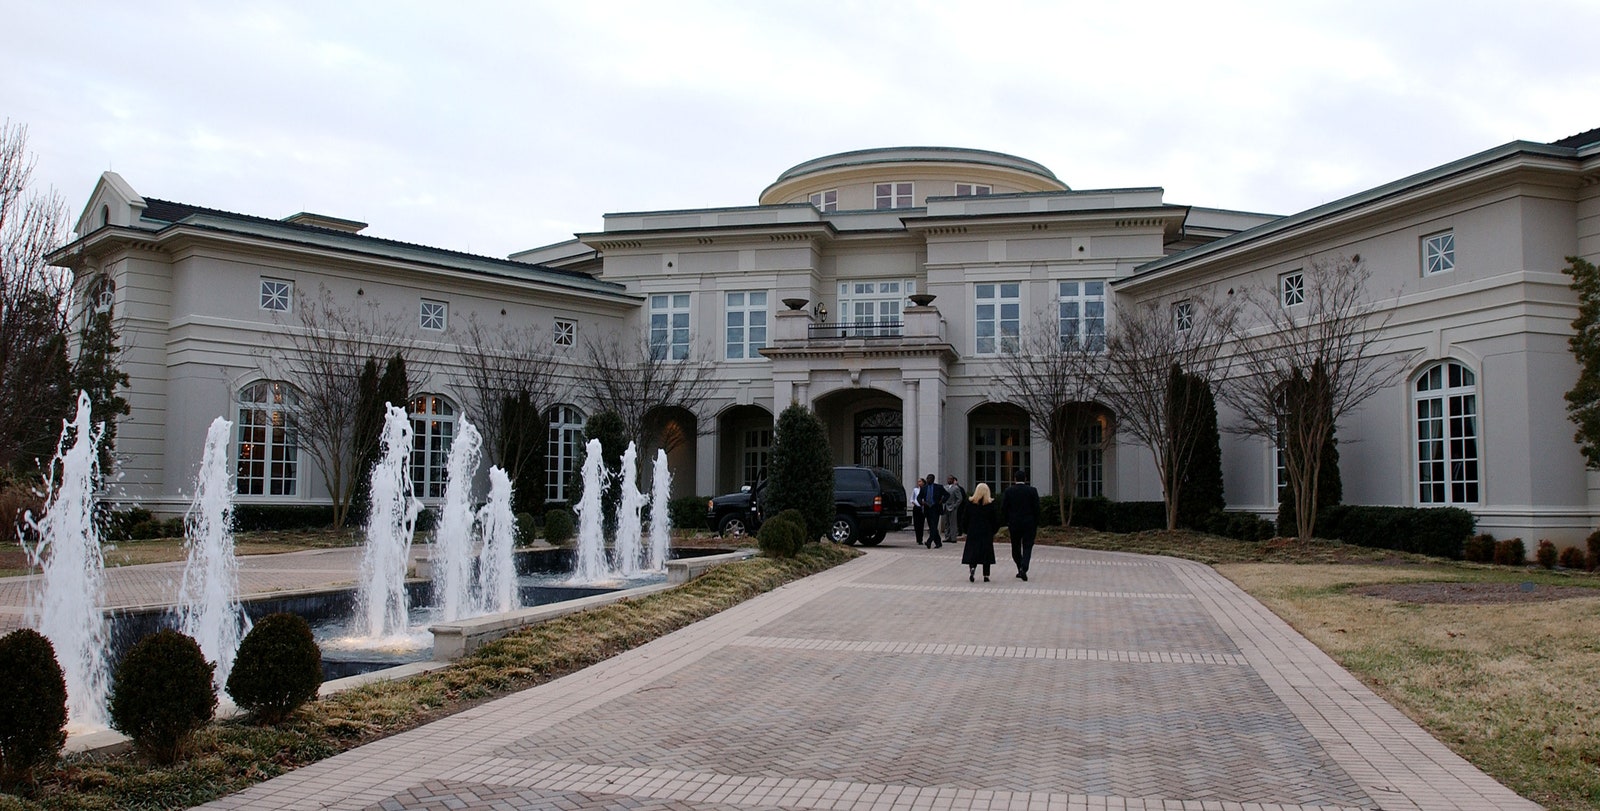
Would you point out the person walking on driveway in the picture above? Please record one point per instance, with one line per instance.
(1022, 521)
(917, 516)
(955, 507)
(932, 497)
(983, 520)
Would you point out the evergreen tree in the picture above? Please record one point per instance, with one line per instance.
(1201, 494)
(376, 391)
(524, 436)
(36, 379)
(800, 473)
(1583, 401)
(1330, 486)
(608, 427)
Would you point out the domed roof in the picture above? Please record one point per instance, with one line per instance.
(1026, 173)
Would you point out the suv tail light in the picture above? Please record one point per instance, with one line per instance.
(877, 504)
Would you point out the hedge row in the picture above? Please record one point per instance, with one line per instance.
(1437, 531)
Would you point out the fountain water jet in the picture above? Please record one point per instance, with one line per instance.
(629, 532)
(497, 574)
(208, 600)
(660, 519)
(451, 554)
(381, 601)
(68, 607)
(591, 563)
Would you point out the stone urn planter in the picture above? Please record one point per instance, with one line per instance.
(923, 299)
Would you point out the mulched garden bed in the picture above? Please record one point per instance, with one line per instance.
(1474, 593)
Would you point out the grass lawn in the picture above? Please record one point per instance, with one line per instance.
(1512, 687)
(166, 550)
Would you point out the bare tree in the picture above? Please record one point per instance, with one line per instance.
(1149, 340)
(509, 378)
(327, 344)
(638, 382)
(1052, 377)
(35, 305)
(1306, 355)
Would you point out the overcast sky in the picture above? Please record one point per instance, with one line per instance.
(497, 127)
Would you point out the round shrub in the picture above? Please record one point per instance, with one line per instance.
(795, 517)
(1479, 548)
(1510, 552)
(558, 526)
(161, 693)
(33, 706)
(1545, 554)
(780, 537)
(1571, 557)
(1592, 562)
(527, 528)
(278, 668)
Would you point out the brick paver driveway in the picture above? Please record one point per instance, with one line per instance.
(1107, 681)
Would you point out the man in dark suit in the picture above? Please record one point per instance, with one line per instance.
(1022, 520)
(932, 497)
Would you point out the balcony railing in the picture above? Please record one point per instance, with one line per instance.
(857, 329)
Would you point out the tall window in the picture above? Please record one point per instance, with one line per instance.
(433, 316)
(276, 295)
(564, 453)
(746, 324)
(757, 450)
(1183, 316)
(669, 325)
(1091, 460)
(1292, 288)
(826, 201)
(1438, 253)
(433, 428)
(268, 449)
(893, 195)
(972, 190)
(997, 317)
(1445, 400)
(1083, 315)
(998, 452)
(873, 308)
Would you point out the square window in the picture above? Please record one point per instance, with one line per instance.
(1292, 288)
(1438, 253)
(1183, 316)
(565, 334)
(973, 190)
(826, 201)
(433, 315)
(276, 295)
(892, 195)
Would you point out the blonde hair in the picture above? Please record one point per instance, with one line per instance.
(980, 494)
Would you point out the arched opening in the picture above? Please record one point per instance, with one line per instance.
(864, 427)
(564, 451)
(744, 445)
(268, 447)
(433, 429)
(672, 429)
(998, 437)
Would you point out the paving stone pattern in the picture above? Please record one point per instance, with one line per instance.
(1106, 682)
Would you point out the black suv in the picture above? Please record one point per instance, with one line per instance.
(868, 502)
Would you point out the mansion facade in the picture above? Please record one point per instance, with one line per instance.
(878, 287)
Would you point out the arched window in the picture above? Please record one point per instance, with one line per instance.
(433, 428)
(564, 453)
(268, 449)
(1445, 402)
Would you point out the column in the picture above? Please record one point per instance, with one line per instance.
(911, 457)
(706, 453)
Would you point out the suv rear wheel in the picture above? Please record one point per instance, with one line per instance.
(733, 526)
(873, 538)
(843, 529)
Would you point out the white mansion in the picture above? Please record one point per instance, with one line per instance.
(875, 286)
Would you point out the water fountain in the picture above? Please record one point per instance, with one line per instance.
(497, 573)
(452, 549)
(381, 601)
(629, 530)
(660, 519)
(69, 606)
(208, 599)
(591, 563)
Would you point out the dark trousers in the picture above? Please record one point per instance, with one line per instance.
(933, 527)
(916, 523)
(1022, 546)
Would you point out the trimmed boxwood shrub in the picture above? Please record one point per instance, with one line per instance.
(1545, 554)
(687, 511)
(1571, 557)
(161, 693)
(1136, 516)
(278, 668)
(427, 520)
(1437, 531)
(268, 517)
(1510, 553)
(1240, 526)
(33, 706)
(781, 536)
(1592, 561)
(558, 526)
(527, 528)
(1479, 548)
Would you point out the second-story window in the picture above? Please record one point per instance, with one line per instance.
(893, 195)
(433, 315)
(973, 190)
(746, 324)
(826, 201)
(1292, 288)
(1183, 315)
(669, 326)
(1438, 253)
(997, 317)
(873, 308)
(1083, 315)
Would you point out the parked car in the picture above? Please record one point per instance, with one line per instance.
(868, 502)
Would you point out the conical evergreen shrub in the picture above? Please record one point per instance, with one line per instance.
(33, 706)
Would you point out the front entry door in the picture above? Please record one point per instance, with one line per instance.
(879, 441)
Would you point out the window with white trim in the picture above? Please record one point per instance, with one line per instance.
(563, 453)
(873, 308)
(669, 326)
(997, 317)
(757, 452)
(1292, 288)
(1445, 402)
(973, 190)
(1091, 473)
(745, 324)
(893, 195)
(1183, 315)
(565, 333)
(433, 315)
(268, 447)
(826, 201)
(433, 428)
(1438, 253)
(277, 295)
(1082, 315)
(998, 452)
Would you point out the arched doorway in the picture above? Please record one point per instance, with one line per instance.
(880, 438)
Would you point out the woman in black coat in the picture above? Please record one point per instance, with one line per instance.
(983, 520)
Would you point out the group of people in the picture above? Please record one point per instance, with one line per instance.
(979, 518)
